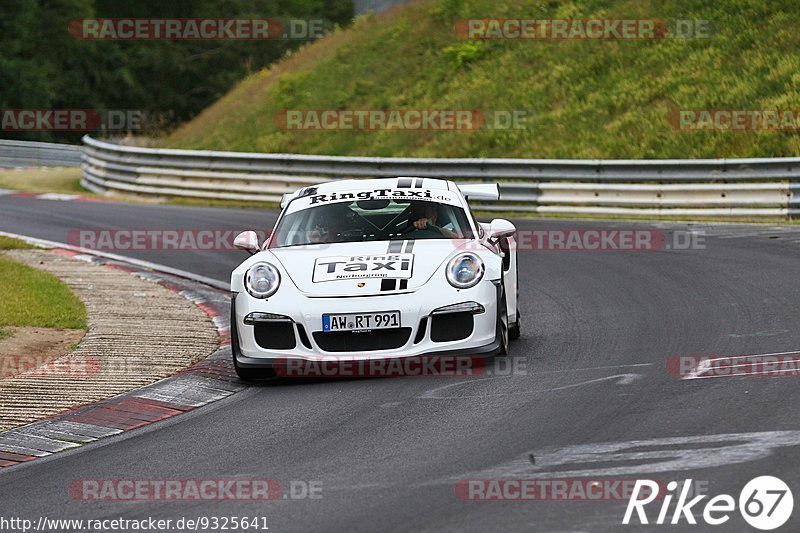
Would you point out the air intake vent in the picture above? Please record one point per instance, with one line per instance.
(363, 341)
(451, 326)
(275, 335)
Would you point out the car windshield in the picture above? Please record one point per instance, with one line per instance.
(372, 220)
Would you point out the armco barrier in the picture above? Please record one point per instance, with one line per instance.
(38, 154)
(700, 188)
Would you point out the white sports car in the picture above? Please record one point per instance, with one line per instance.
(370, 269)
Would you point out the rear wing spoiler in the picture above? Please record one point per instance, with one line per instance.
(480, 191)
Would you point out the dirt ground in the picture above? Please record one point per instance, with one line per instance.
(29, 348)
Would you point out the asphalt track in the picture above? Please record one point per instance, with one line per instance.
(598, 330)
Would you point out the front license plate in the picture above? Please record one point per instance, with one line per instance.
(361, 321)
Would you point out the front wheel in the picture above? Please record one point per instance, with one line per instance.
(252, 374)
(514, 329)
(502, 323)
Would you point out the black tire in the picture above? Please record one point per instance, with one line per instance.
(514, 329)
(245, 374)
(502, 323)
(252, 374)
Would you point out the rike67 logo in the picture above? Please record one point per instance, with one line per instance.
(765, 503)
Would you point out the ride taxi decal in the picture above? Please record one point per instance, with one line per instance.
(388, 266)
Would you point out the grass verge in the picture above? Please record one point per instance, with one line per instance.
(201, 202)
(67, 181)
(9, 243)
(42, 180)
(37, 299)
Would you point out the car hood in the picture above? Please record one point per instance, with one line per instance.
(367, 268)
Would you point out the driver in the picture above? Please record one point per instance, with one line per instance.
(424, 216)
(318, 234)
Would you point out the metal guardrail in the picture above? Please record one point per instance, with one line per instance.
(38, 154)
(706, 187)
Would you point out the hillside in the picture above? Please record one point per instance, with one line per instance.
(583, 98)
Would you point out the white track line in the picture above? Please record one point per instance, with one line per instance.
(114, 257)
(57, 196)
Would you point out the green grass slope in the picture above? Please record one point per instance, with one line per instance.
(584, 99)
(35, 298)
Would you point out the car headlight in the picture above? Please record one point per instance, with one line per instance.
(465, 270)
(262, 280)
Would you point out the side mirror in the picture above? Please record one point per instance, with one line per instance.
(501, 227)
(247, 240)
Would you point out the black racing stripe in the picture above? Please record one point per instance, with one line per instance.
(404, 183)
(403, 284)
(395, 247)
(388, 284)
(409, 246)
(418, 184)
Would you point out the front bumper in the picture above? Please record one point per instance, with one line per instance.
(310, 343)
